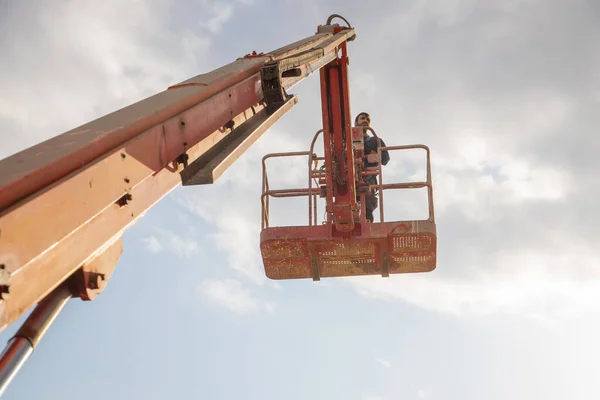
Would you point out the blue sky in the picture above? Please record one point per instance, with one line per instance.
(504, 93)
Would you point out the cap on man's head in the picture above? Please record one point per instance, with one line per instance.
(366, 114)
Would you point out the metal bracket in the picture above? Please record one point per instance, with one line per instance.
(212, 164)
(272, 73)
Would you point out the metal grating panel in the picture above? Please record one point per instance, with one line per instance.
(281, 249)
(411, 242)
(295, 257)
(348, 268)
(347, 249)
(295, 269)
(348, 258)
(412, 253)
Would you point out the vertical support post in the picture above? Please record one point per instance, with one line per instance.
(346, 124)
(21, 346)
(327, 141)
(339, 154)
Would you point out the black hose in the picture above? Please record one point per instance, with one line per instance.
(332, 16)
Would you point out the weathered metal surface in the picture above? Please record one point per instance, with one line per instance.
(289, 252)
(37, 167)
(297, 66)
(63, 201)
(91, 279)
(38, 265)
(339, 157)
(55, 220)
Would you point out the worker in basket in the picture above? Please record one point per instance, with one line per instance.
(370, 147)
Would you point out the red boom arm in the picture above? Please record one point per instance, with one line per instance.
(66, 202)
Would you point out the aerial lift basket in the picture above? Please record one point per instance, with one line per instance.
(318, 250)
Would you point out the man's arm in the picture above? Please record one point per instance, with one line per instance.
(385, 155)
(371, 146)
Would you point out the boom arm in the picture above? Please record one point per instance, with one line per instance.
(66, 202)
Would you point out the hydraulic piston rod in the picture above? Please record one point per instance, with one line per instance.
(21, 346)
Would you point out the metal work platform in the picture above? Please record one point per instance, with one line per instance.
(318, 250)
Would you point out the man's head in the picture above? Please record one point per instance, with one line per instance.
(362, 119)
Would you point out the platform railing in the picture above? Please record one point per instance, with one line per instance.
(267, 192)
(406, 185)
(313, 193)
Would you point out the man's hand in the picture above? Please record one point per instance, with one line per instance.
(373, 158)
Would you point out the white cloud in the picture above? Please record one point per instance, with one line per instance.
(541, 285)
(467, 83)
(500, 181)
(222, 13)
(237, 231)
(232, 204)
(472, 175)
(384, 362)
(152, 244)
(232, 295)
(483, 169)
(475, 166)
(100, 64)
(104, 64)
(183, 246)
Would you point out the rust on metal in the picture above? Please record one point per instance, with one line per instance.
(254, 54)
(91, 279)
(286, 256)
